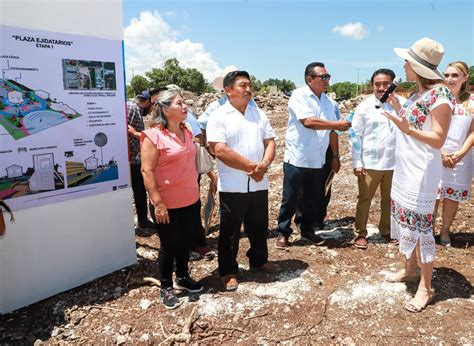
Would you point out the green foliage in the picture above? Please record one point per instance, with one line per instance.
(130, 93)
(209, 89)
(471, 75)
(137, 85)
(265, 90)
(407, 86)
(344, 90)
(365, 88)
(255, 83)
(192, 80)
(283, 85)
(171, 73)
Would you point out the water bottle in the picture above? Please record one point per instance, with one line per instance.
(350, 132)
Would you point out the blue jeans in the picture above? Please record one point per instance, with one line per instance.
(300, 188)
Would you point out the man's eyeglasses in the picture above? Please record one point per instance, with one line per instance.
(326, 76)
(453, 75)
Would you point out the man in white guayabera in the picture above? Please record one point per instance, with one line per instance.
(373, 157)
(243, 141)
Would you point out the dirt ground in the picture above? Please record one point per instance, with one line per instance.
(329, 294)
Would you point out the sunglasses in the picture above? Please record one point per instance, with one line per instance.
(452, 75)
(322, 76)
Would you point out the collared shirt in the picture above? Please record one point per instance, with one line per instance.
(337, 112)
(376, 135)
(245, 135)
(135, 114)
(204, 117)
(306, 147)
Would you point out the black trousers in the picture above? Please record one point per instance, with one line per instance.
(322, 206)
(234, 208)
(175, 238)
(301, 189)
(139, 192)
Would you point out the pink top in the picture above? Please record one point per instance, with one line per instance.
(175, 172)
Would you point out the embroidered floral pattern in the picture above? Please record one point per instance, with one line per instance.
(409, 239)
(420, 109)
(410, 219)
(453, 194)
(464, 109)
(459, 111)
(470, 106)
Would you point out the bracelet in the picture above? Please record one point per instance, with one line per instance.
(411, 130)
(267, 164)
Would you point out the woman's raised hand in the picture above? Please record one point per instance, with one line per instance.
(401, 121)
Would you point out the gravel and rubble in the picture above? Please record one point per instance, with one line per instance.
(349, 105)
(328, 294)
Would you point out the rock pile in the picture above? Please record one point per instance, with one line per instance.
(201, 102)
(270, 104)
(347, 106)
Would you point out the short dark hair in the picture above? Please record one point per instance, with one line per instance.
(309, 69)
(385, 71)
(230, 78)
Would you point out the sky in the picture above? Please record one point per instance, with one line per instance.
(277, 39)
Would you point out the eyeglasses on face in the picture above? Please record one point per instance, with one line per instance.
(452, 75)
(326, 76)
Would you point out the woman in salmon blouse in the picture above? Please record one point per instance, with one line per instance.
(170, 176)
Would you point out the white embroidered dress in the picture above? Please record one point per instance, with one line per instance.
(417, 173)
(456, 182)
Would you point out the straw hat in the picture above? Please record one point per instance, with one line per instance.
(424, 57)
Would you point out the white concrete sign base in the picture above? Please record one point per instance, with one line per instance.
(55, 247)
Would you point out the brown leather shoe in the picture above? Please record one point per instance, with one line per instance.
(389, 240)
(269, 267)
(281, 242)
(360, 243)
(229, 282)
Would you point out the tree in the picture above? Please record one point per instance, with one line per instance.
(137, 85)
(283, 85)
(172, 73)
(129, 91)
(471, 75)
(407, 86)
(344, 90)
(255, 83)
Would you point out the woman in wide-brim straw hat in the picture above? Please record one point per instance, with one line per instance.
(423, 122)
